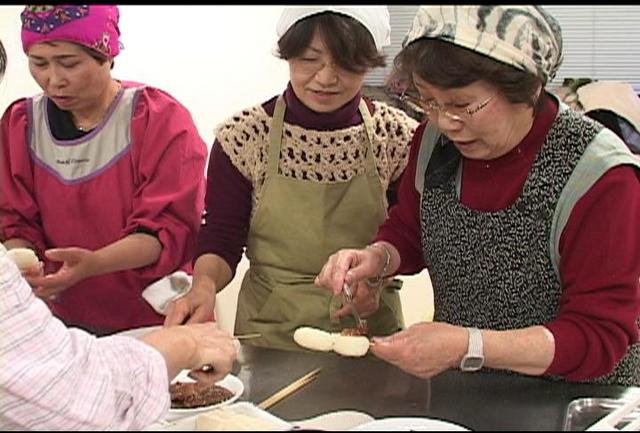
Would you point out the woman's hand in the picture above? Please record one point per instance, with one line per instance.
(77, 265)
(350, 267)
(195, 307)
(194, 346)
(366, 300)
(424, 349)
(34, 271)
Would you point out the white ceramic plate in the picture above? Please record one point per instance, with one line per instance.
(231, 382)
(409, 424)
(245, 408)
(340, 420)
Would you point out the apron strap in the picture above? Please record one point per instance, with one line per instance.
(370, 163)
(275, 137)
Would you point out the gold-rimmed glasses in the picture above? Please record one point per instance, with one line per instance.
(432, 108)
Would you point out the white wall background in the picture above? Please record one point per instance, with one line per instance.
(601, 42)
(216, 60)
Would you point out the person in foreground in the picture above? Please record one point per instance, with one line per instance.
(59, 378)
(288, 177)
(102, 178)
(56, 378)
(524, 212)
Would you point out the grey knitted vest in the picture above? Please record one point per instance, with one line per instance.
(493, 269)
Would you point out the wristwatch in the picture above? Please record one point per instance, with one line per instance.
(474, 358)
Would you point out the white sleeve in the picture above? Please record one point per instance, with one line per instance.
(55, 378)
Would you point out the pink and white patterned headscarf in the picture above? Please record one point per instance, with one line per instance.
(94, 26)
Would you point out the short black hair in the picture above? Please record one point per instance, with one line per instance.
(350, 43)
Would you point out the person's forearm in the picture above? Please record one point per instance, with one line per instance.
(131, 252)
(211, 273)
(528, 350)
(166, 343)
(102, 372)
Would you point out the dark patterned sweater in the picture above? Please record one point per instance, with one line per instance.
(600, 282)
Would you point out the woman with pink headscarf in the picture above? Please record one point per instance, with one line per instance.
(81, 381)
(102, 178)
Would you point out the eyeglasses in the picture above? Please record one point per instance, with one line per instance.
(432, 108)
(312, 66)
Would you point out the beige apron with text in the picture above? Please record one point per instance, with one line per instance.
(297, 225)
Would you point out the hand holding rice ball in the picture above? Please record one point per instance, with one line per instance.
(24, 258)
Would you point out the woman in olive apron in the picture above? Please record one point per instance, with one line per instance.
(291, 236)
(288, 179)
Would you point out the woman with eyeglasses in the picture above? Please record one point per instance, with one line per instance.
(300, 176)
(524, 212)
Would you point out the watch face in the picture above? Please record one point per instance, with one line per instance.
(472, 363)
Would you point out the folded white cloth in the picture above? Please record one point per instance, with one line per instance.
(166, 289)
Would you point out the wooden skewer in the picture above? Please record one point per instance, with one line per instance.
(290, 389)
(247, 336)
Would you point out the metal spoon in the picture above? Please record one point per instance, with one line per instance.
(348, 297)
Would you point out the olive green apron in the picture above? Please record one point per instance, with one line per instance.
(297, 225)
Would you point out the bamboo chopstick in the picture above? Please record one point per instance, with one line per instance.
(290, 389)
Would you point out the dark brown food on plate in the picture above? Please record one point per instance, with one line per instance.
(361, 330)
(189, 395)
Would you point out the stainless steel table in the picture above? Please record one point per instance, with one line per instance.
(478, 401)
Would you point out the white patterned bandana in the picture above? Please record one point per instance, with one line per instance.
(374, 18)
(525, 37)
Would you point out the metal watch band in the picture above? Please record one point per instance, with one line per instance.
(376, 282)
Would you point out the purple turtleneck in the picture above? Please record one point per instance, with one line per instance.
(228, 200)
(299, 114)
